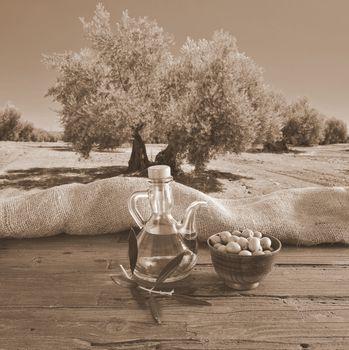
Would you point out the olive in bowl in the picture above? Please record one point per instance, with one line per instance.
(243, 259)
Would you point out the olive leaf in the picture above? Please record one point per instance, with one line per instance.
(169, 269)
(132, 249)
(127, 280)
(154, 308)
(190, 300)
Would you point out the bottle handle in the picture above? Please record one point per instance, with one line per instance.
(132, 207)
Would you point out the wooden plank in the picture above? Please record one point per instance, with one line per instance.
(113, 246)
(108, 259)
(55, 293)
(64, 260)
(46, 275)
(283, 281)
(247, 323)
(80, 288)
(43, 343)
(63, 241)
(64, 253)
(319, 255)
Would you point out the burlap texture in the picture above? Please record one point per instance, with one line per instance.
(305, 216)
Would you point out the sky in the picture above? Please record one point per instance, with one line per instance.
(302, 45)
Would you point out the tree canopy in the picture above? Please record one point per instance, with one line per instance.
(207, 99)
(109, 89)
(13, 128)
(217, 101)
(304, 124)
(9, 122)
(335, 131)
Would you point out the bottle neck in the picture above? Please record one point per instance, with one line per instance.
(160, 197)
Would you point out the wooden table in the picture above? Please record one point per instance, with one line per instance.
(56, 293)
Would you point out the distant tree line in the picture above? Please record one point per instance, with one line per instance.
(305, 126)
(208, 99)
(12, 128)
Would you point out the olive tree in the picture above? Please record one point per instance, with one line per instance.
(209, 99)
(335, 131)
(9, 122)
(109, 92)
(216, 101)
(304, 125)
(25, 131)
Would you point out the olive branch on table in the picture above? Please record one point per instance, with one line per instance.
(127, 280)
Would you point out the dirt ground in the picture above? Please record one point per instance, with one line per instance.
(32, 166)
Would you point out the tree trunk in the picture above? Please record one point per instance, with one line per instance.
(276, 147)
(168, 156)
(139, 159)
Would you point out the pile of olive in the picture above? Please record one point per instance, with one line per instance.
(246, 242)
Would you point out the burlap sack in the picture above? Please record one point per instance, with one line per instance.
(304, 216)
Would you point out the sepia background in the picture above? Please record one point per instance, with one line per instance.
(270, 149)
(301, 45)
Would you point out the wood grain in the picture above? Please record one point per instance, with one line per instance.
(56, 293)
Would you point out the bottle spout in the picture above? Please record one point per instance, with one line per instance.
(187, 225)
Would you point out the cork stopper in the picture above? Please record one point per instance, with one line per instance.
(158, 172)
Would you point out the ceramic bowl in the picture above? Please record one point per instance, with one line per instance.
(243, 272)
